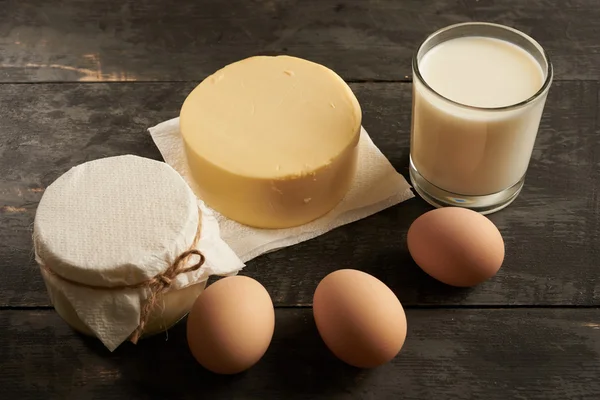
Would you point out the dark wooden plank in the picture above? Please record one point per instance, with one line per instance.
(551, 231)
(448, 354)
(141, 40)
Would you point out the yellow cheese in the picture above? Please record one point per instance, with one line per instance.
(272, 141)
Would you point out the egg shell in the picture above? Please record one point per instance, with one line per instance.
(230, 325)
(359, 318)
(456, 246)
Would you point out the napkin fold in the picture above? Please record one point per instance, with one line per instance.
(376, 186)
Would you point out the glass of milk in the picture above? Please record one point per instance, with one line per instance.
(479, 90)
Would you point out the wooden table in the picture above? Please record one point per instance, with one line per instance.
(83, 79)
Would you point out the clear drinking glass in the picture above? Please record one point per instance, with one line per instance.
(468, 156)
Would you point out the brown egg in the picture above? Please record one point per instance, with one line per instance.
(359, 318)
(456, 246)
(231, 325)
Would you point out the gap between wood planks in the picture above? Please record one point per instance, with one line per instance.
(412, 307)
(407, 80)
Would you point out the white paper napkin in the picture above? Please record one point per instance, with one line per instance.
(376, 187)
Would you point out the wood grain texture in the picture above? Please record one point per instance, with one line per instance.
(149, 40)
(551, 230)
(448, 354)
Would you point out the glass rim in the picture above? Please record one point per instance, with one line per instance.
(544, 88)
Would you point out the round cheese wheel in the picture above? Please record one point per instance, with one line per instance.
(272, 142)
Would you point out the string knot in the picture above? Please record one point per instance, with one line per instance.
(162, 281)
(165, 280)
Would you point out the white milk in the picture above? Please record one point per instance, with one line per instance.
(472, 151)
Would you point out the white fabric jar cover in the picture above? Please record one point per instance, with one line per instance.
(122, 221)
